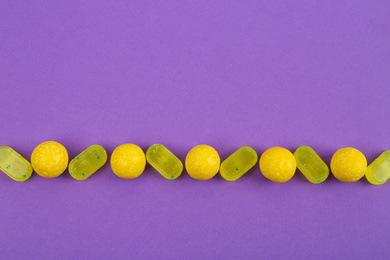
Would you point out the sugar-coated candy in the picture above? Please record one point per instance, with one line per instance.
(378, 172)
(311, 165)
(278, 164)
(128, 161)
(87, 162)
(238, 163)
(164, 161)
(49, 159)
(14, 165)
(348, 164)
(202, 162)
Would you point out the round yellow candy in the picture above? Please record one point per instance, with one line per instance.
(278, 164)
(348, 164)
(128, 161)
(49, 159)
(202, 162)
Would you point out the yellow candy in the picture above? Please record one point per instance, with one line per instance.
(49, 159)
(348, 164)
(278, 164)
(128, 161)
(202, 162)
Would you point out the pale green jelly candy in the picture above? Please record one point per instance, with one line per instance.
(311, 165)
(14, 165)
(164, 161)
(87, 162)
(378, 172)
(238, 163)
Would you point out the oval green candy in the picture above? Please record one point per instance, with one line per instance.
(238, 163)
(87, 162)
(14, 165)
(378, 172)
(311, 165)
(164, 161)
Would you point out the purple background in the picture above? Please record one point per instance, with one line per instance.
(223, 73)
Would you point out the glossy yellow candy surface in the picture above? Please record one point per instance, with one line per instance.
(311, 165)
(87, 162)
(164, 161)
(49, 159)
(14, 165)
(278, 164)
(128, 161)
(378, 172)
(202, 162)
(238, 163)
(348, 164)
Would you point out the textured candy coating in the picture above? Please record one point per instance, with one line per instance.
(202, 162)
(311, 165)
(49, 159)
(238, 163)
(128, 161)
(378, 172)
(14, 165)
(278, 164)
(87, 162)
(164, 161)
(348, 164)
